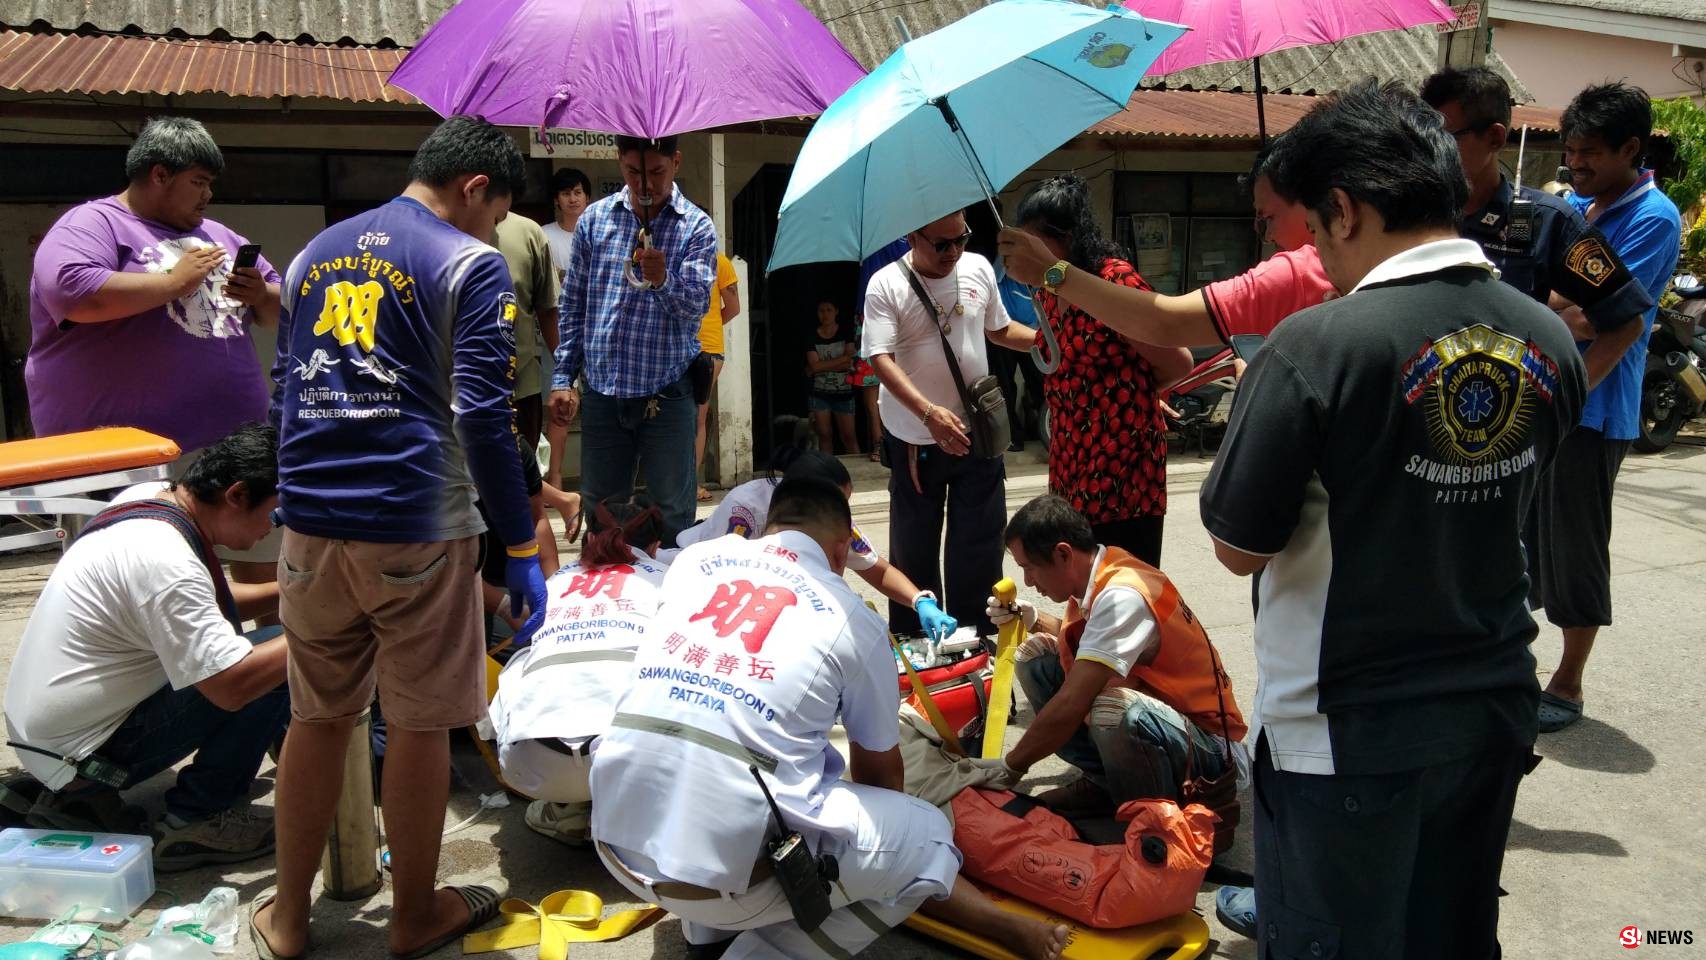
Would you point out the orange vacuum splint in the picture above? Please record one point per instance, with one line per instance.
(1035, 850)
(47, 484)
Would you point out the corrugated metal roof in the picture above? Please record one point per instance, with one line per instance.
(1692, 10)
(865, 27)
(1205, 115)
(1409, 55)
(60, 63)
(400, 22)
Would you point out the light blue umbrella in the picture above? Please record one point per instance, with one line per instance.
(954, 116)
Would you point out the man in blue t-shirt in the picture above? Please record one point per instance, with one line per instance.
(396, 362)
(1605, 136)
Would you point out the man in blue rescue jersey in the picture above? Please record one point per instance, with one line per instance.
(396, 361)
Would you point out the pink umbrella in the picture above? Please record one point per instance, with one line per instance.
(1248, 29)
(646, 68)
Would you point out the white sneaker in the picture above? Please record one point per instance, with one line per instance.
(569, 823)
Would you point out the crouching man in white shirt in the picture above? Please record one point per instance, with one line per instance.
(556, 697)
(134, 659)
(757, 649)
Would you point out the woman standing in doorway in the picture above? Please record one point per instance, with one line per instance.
(1108, 449)
(831, 400)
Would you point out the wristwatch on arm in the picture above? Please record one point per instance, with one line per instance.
(1054, 276)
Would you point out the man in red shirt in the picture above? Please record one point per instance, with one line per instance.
(1252, 302)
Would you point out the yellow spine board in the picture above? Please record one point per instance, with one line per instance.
(1185, 936)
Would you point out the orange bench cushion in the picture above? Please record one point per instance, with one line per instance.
(43, 459)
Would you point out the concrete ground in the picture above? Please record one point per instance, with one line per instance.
(1609, 830)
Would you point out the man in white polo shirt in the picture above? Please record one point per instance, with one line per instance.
(926, 437)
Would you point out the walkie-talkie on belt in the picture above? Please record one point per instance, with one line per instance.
(805, 879)
(1520, 230)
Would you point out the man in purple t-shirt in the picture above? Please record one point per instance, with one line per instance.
(138, 317)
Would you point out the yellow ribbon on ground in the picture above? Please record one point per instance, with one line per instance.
(1012, 633)
(564, 917)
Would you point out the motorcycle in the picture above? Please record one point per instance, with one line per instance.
(1200, 404)
(1673, 390)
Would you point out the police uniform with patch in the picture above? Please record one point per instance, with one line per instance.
(757, 650)
(1383, 452)
(1541, 246)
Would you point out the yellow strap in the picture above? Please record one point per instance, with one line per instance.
(1012, 633)
(564, 917)
(919, 690)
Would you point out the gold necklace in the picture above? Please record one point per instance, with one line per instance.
(959, 308)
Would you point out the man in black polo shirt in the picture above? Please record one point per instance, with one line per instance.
(1378, 466)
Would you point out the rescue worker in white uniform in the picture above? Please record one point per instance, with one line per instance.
(556, 697)
(758, 648)
(746, 509)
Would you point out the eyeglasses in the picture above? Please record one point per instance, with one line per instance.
(953, 243)
(1472, 128)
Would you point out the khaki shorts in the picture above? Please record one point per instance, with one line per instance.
(402, 617)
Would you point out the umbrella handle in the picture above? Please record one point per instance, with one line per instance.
(1050, 363)
(634, 277)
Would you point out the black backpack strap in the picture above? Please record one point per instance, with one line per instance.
(180, 519)
(936, 318)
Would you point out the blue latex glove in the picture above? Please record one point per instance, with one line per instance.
(937, 625)
(526, 583)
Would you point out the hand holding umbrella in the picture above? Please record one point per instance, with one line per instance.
(954, 116)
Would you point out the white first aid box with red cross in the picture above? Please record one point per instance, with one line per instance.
(46, 873)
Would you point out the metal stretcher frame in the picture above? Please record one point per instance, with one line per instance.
(48, 485)
(45, 512)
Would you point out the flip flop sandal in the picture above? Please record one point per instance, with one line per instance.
(705, 495)
(1556, 713)
(482, 909)
(263, 949)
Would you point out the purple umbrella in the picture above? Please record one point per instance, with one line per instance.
(646, 68)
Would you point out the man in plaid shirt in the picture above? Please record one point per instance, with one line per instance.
(637, 286)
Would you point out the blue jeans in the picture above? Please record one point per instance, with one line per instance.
(1131, 743)
(617, 439)
(228, 745)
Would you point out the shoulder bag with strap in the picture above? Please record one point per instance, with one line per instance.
(986, 408)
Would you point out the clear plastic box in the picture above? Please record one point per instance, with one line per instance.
(44, 873)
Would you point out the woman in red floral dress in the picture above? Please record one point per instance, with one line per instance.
(1107, 448)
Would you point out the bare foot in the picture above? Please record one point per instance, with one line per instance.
(1033, 939)
(450, 913)
(280, 943)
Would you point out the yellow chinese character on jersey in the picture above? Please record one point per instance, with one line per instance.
(351, 313)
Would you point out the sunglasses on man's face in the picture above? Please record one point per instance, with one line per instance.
(953, 243)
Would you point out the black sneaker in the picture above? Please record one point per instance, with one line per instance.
(86, 811)
(230, 836)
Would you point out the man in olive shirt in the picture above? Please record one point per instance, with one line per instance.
(528, 253)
